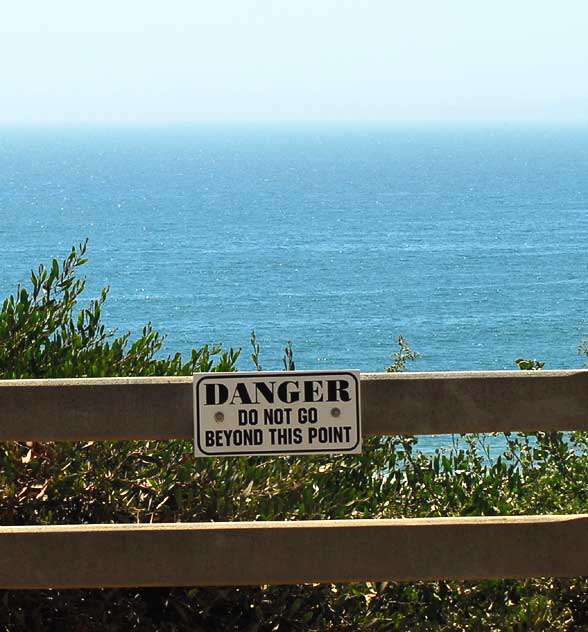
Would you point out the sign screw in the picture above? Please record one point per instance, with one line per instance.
(218, 417)
(336, 412)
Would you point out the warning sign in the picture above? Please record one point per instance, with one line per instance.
(295, 412)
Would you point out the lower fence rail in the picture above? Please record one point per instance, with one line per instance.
(255, 553)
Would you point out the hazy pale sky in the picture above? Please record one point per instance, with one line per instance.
(180, 60)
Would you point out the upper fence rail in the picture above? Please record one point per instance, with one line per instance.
(400, 403)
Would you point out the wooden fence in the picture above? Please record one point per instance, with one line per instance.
(250, 553)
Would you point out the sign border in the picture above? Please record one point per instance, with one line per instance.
(200, 377)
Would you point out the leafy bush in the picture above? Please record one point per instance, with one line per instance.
(42, 337)
(53, 483)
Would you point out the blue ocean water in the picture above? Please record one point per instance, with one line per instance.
(469, 240)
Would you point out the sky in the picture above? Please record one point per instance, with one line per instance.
(273, 60)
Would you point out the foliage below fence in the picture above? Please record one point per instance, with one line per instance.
(41, 335)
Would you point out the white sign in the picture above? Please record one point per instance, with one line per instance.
(295, 412)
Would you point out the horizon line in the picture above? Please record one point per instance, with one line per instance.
(289, 121)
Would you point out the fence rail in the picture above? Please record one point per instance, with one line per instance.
(295, 552)
(409, 403)
(292, 552)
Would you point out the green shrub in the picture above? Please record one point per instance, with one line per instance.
(53, 483)
(42, 337)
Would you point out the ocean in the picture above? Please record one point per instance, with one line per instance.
(468, 240)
